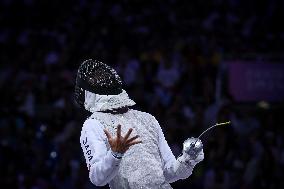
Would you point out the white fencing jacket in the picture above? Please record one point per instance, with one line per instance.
(150, 164)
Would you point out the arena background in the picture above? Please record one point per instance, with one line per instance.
(189, 63)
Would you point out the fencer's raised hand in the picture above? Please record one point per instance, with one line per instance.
(121, 144)
(193, 150)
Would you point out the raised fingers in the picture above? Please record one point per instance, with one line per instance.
(107, 134)
(127, 134)
(133, 143)
(118, 131)
(132, 139)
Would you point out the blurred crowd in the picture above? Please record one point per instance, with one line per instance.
(170, 55)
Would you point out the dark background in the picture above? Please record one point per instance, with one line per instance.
(170, 54)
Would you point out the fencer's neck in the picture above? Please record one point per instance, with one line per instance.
(117, 111)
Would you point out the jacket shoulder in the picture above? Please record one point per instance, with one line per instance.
(144, 114)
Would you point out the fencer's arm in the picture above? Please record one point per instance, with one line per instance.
(102, 165)
(174, 169)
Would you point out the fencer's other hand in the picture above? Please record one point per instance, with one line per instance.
(121, 144)
(193, 150)
(200, 157)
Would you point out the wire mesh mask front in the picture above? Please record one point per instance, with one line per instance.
(96, 77)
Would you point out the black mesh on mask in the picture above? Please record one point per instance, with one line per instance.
(98, 78)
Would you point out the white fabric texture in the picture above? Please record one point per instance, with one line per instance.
(104, 168)
(101, 164)
(95, 102)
